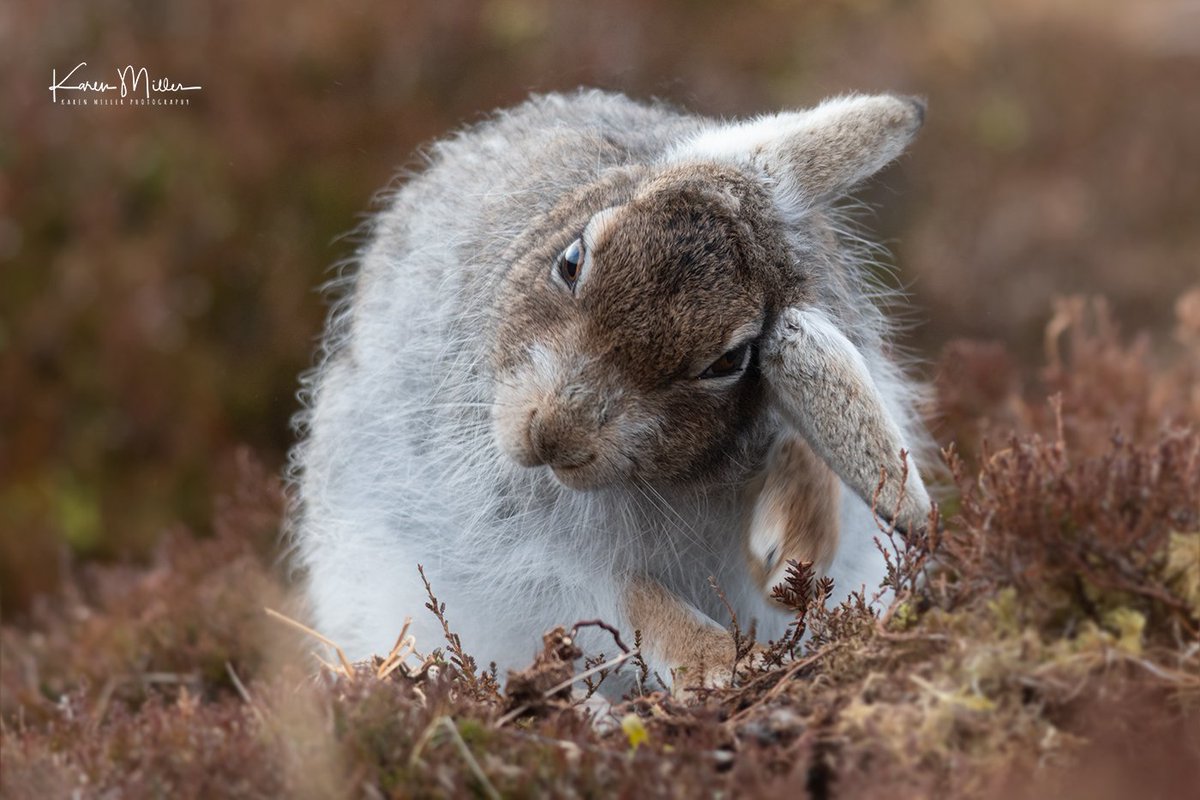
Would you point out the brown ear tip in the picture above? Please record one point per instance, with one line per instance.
(918, 105)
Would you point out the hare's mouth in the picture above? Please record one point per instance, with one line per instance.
(578, 474)
(574, 466)
(578, 463)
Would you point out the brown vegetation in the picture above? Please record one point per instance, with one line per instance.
(1044, 642)
(156, 304)
(158, 265)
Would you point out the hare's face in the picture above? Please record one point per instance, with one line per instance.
(627, 346)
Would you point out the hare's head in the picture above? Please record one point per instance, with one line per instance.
(632, 321)
(627, 344)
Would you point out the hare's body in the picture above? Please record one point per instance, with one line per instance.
(401, 466)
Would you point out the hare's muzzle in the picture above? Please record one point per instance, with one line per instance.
(558, 443)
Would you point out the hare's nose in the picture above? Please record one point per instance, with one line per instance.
(539, 443)
(552, 442)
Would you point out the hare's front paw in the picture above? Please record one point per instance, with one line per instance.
(711, 665)
(697, 652)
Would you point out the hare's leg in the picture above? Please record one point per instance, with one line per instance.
(821, 385)
(676, 635)
(793, 512)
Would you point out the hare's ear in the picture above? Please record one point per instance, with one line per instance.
(820, 384)
(814, 155)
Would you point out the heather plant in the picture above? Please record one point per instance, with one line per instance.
(155, 308)
(1042, 640)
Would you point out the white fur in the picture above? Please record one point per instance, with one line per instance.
(743, 141)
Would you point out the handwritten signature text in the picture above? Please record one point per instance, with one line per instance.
(130, 79)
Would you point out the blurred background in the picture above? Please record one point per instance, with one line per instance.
(159, 265)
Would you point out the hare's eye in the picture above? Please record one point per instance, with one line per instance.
(570, 263)
(728, 364)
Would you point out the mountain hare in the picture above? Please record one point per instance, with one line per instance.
(595, 353)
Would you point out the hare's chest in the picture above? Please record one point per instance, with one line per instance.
(693, 536)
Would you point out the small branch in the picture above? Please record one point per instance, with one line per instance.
(448, 725)
(782, 681)
(300, 626)
(243, 692)
(549, 693)
(742, 643)
(621, 659)
(599, 623)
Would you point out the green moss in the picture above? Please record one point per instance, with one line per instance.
(1183, 567)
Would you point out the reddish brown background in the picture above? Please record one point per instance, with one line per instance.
(158, 265)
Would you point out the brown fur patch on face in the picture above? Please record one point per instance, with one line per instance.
(794, 513)
(677, 272)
